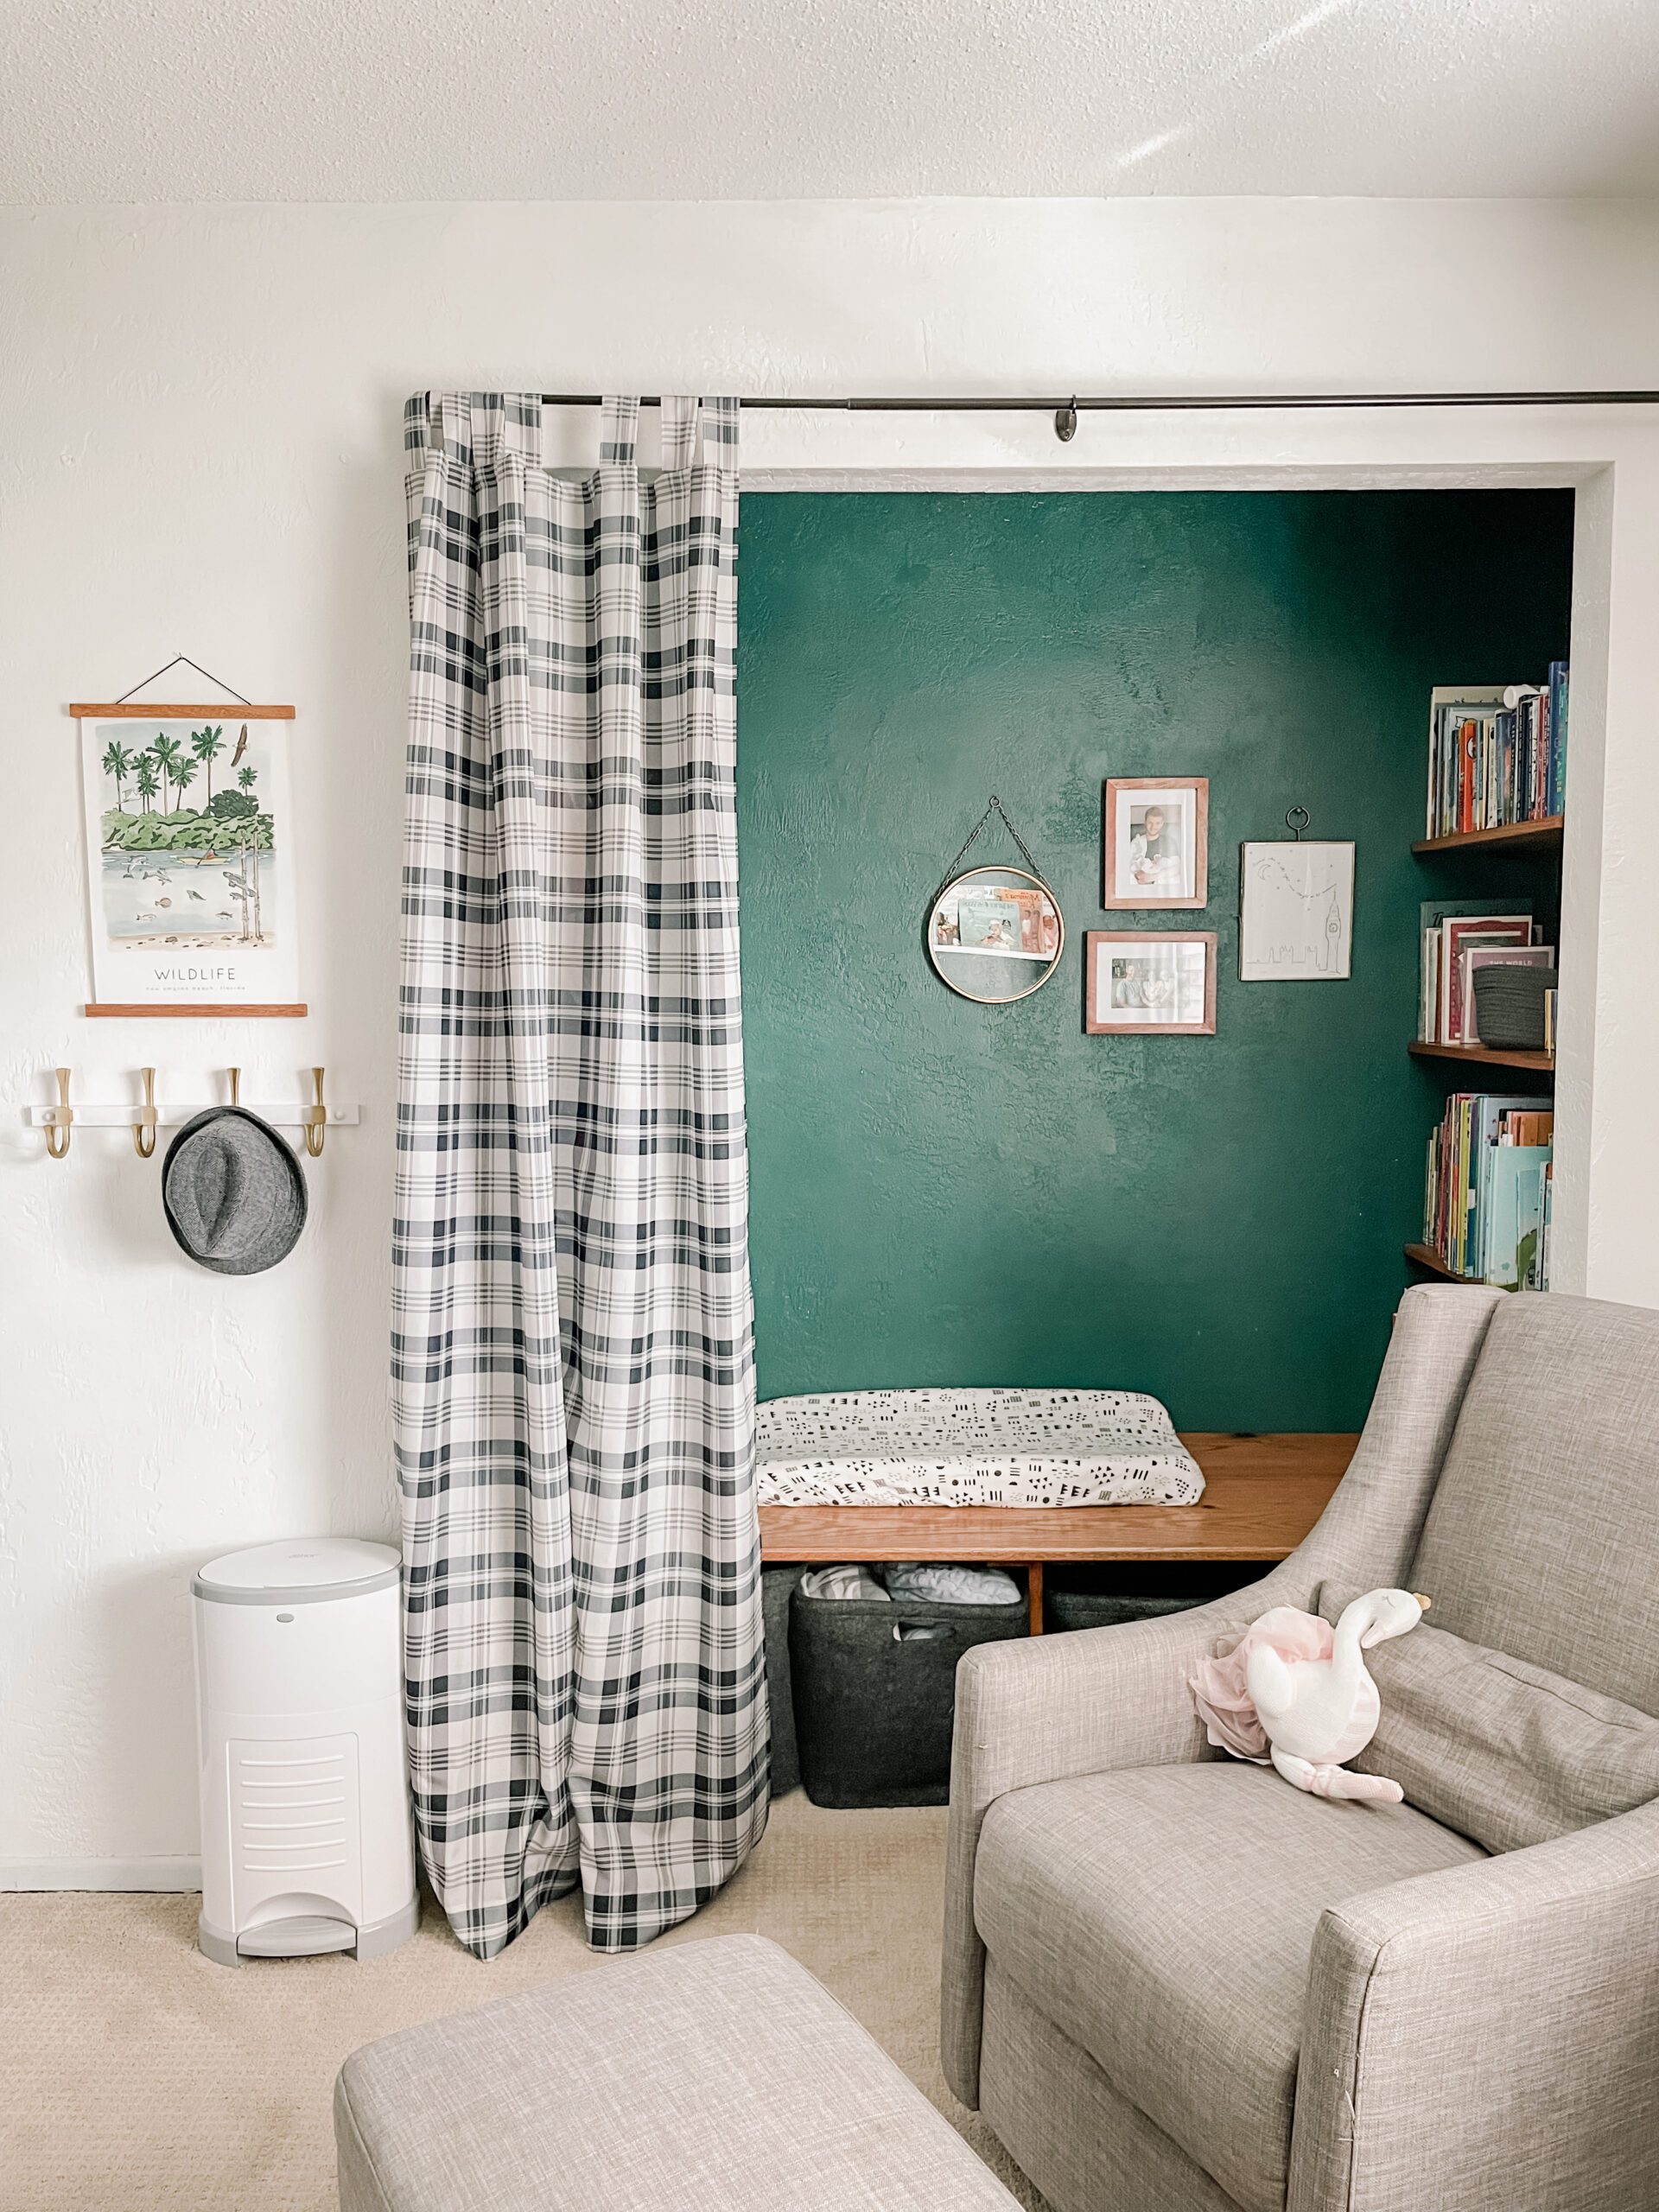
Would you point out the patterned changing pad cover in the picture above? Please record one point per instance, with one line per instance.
(972, 1447)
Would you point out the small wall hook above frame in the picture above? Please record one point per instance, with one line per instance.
(312, 1120)
(1296, 820)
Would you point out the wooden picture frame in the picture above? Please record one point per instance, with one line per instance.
(194, 911)
(1102, 1019)
(1174, 879)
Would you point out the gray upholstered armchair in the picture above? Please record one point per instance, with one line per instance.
(1174, 1984)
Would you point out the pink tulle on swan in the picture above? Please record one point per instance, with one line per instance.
(1221, 1691)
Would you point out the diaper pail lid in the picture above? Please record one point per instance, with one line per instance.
(303, 1570)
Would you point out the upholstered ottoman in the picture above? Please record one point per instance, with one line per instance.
(713, 2077)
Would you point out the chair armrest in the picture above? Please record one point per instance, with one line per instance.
(1488, 2035)
(1043, 1709)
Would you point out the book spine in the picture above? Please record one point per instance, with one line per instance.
(1558, 688)
(1466, 776)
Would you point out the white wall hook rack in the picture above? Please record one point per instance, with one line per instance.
(291, 1114)
(142, 1120)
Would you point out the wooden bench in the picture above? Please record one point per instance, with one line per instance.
(1261, 1496)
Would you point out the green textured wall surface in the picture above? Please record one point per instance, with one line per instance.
(948, 1193)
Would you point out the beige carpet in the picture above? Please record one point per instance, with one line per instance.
(137, 2073)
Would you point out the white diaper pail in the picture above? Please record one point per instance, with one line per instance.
(305, 1842)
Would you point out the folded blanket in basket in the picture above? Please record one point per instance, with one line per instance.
(972, 1447)
(951, 1584)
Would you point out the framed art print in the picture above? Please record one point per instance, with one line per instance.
(190, 860)
(1151, 983)
(1156, 836)
(1295, 911)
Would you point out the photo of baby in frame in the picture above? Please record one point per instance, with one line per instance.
(1157, 840)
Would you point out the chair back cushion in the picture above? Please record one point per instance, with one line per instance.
(1542, 1536)
(1507, 1753)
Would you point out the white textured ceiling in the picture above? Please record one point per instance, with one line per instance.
(590, 100)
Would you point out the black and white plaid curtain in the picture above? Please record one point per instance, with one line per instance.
(572, 1348)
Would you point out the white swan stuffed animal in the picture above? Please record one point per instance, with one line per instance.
(1300, 1692)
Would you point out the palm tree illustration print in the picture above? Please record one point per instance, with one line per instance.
(186, 839)
(117, 762)
(208, 744)
(168, 752)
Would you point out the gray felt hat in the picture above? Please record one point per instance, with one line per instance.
(233, 1192)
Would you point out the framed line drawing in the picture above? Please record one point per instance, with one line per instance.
(1151, 983)
(190, 860)
(1156, 839)
(1295, 911)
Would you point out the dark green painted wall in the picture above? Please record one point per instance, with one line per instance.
(946, 1193)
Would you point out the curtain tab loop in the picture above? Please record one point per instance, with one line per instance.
(681, 420)
(720, 432)
(618, 430)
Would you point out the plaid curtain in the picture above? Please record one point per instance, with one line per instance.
(572, 1347)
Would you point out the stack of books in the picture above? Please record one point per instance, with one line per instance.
(1496, 755)
(1460, 936)
(1487, 1204)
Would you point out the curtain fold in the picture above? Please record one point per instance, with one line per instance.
(572, 1345)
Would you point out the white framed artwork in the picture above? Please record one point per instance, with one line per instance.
(1296, 910)
(190, 860)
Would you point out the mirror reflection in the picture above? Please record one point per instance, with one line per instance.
(994, 934)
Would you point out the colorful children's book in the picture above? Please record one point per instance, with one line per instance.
(1432, 915)
(1456, 931)
(1514, 1214)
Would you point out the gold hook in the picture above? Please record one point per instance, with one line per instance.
(316, 1118)
(236, 1086)
(57, 1134)
(143, 1129)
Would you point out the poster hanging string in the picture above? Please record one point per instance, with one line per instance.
(188, 663)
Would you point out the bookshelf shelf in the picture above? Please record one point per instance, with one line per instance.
(1486, 1056)
(1539, 837)
(1423, 1255)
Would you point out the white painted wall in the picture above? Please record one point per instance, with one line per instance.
(199, 452)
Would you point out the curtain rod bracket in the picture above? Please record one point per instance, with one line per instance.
(1065, 421)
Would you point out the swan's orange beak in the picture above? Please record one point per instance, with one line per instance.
(1424, 1602)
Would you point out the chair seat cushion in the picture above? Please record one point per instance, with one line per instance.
(1163, 1918)
(710, 2077)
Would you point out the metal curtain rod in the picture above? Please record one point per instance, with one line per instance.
(1130, 403)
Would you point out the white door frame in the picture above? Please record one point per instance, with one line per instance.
(1607, 1067)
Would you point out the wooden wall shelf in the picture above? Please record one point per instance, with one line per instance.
(185, 1011)
(1536, 836)
(1485, 1056)
(1425, 1255)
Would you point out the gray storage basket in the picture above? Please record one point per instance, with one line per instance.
(1510, 1006)
(1118, 1591)
(777, 1585)
(1064, 1609)
(874, 1709)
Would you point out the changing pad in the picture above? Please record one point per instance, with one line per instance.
(972, 1447)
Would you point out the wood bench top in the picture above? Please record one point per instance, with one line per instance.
(1261, 1496)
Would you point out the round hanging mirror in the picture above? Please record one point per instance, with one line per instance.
(994, 934)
